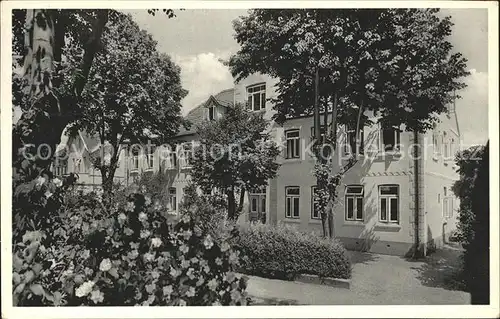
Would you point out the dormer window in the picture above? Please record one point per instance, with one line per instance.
(211, 113)
(256, 97)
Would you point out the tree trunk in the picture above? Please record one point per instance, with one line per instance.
(47, 117)
(231, 203)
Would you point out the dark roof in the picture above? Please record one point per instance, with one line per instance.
(196, 116)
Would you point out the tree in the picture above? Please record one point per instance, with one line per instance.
(133, 93)
(394, 62)
(473, 225)
(47, 94)
(235, 155)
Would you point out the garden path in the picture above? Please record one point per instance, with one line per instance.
(378, 280)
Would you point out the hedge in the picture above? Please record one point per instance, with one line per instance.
(281, 252)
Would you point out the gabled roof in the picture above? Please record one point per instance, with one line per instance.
(196, 116)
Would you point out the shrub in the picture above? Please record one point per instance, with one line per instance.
(129, 256)
(208, 211)
(283, 253)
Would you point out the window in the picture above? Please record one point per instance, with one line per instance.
(315, 213)
(292, 195)
(135, 159)
(171, 160)
(211, 113)
(187, 154)
(351, 145)
(322, 132)
(435, 143)
(448, 207)
(388, 203)
(354, 202)
(256, 95)
(390, 139)
(172, 199)
(292, 143)
(150, 157)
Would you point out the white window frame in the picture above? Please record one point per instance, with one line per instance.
(294, 200)
(358, 143)
(172, 199)
(295, 140)
(187, 148)
(397, 140)
(313, 202)
(254, 90)
(354, 196)
(388, 198)
(448, 203)
(150, 159)
(171, 160)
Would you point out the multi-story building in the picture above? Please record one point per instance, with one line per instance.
(388, 202)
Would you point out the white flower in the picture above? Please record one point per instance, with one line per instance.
(57, 182)
(191, 292)
(212, 284)
(187, 234)
(184, 263)
(145, 233)
(156, 242)
(105, 265)
(134, 245)
(224, 247)
(173, 272)
(218, 261)
(200, 282)
(182, 303)
(229, 276)
(133, 254)
(185, 218)
(86, 254)
(150, 288)
(167, 290)
(216, 304)
(208, 242)
(48, 194)
(143, 188)
(40, 181)
(147, 200)
(149, 257)
(194, 260)
(84, 289)
(130, 207)
(155, 274)
(122, 218)
(97, 296)
(206, 269)
(128, 231)
(190, 274)
(143, 217)
(184, 249)
(233, 258)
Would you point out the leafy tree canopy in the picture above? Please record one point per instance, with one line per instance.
(397, 61)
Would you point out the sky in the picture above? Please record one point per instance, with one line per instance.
(197, 39)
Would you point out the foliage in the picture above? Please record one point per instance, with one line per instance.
(155, 185)
(398, 61)
(468, 161)
(86, 256)
(236, 154)
(208, 211)
(473, 225)
(282, 252)
(133, 93)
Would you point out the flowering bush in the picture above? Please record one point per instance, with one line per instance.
(131, 256)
